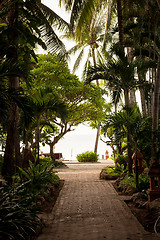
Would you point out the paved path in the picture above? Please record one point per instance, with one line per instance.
(90, 209)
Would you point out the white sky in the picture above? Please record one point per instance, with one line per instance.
(54, 5)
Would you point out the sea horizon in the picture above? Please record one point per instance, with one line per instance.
(73, 144)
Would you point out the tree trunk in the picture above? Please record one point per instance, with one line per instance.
(97, 139)
(120, 23)
(12, 150)
(38, 141)
(136, 165)
(132, 95)
(126, 94)
(129, 140)
(143, 104)
(51, 145)
(132, 98)
(142, 95)
(97, 82)
(158, 1)
(155, 116)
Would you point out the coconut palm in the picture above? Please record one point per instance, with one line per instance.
(89, 44)
(90, 39)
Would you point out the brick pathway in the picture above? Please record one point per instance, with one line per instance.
(90, 209)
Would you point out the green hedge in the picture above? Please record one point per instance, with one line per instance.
(87, 157)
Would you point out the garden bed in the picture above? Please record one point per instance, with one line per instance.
(143, 214)
(48, 204)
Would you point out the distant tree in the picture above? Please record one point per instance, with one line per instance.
(83, 103)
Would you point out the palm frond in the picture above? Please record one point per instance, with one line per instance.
(67, 3)
(74, 49)
(87, 66)
(52, 41)
(81, 11)
(78, 60)
(54, 19)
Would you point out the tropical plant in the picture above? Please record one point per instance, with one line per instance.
(17, 221)
(143, 184)
(39, 176)
(138, 125)
(120, 169)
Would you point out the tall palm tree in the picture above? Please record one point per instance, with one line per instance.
(89, 38)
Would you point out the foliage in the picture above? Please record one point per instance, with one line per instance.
(39, 176)
(52, 82)
(48, 160)
(87, 157)
(116, 125)
(19, 203)
(17, 221)
(120, 159)
(143, 183)
(119, 169)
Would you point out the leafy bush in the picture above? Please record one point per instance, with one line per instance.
(143, 182)
(36, 180)
(120, 169)
(16, 220)
(121, 159)
(19, 203)
(87, 157)
(129, 180)
(39, 175)
(48, 160)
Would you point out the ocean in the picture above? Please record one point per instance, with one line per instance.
(78, 141)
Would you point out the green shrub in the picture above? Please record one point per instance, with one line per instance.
(40, 174)
(143, 182)
(48, 160)
(129, 180)
(35, 181)
(121, 159)
(19, 203)
(87, 157)
(120, 169)
(17, 221)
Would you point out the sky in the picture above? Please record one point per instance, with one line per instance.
(54, 5)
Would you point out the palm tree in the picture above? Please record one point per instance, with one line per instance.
(121, 121)
(119, 73)
(44, 104)
(90, 40)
